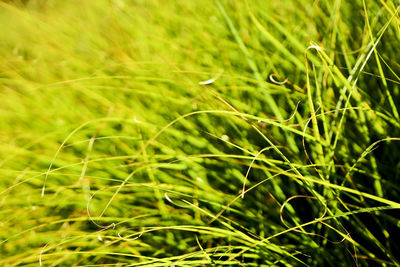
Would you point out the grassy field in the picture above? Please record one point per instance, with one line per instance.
(199, 133)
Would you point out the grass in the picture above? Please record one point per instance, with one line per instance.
(199, 133)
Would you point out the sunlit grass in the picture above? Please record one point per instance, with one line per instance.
(197, 133)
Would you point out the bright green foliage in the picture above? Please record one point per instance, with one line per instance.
(199, 133)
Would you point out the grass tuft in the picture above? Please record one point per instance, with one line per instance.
(192, 133)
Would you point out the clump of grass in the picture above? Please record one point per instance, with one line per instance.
(189, 133)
